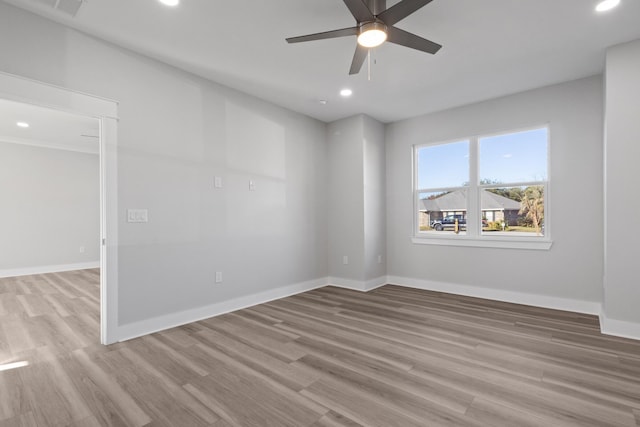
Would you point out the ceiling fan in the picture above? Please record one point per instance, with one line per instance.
(375, 25)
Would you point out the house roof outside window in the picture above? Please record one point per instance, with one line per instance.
(457, 201)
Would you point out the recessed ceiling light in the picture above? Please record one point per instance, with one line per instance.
(346, 92)
(22, 124)
(605, 5)
(170, 2)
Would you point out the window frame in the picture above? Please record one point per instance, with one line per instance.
(473, 236)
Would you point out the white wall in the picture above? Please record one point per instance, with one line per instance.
(569, 275)
(622, 151)
(175, 134)
(50, 208)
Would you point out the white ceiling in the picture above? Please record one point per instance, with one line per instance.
(47, 128)
(491, 48)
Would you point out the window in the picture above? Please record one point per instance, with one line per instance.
(484, 191)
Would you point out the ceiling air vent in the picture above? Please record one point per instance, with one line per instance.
(68, 7)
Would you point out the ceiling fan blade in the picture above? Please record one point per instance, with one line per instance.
(358, 59)
(359, 10)
(403, 38)
(401, 10)
(352, 31)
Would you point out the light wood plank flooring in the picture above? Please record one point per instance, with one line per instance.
(325, 358)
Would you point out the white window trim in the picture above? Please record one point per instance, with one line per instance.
(474, 237)
(485, 242)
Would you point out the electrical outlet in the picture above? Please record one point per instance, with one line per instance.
(218, 276)
(379, 259)
(81, 249)
(345, 260)
(217, 182)
(252, 185)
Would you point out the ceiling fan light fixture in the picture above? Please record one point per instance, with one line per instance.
(372, 34)
(605, 5)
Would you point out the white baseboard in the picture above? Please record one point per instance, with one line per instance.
(156, 324)
(608, 326)
(358, 285)
(545, 301)
(43, 269)
(619, 328)
(372, 284)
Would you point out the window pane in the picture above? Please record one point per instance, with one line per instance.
(514, 157)
(443, 213)
(443, 166)
(513, 211)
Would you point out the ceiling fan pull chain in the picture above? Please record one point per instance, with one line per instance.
(369, 64)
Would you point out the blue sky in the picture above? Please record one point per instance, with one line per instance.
(514, 157)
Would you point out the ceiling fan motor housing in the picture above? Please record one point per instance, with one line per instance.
(372, 26)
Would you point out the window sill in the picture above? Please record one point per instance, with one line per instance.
(539, 244)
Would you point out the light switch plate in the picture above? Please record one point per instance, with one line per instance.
(217, 182)
(137, 215)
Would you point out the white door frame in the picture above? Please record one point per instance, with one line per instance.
(20, 89)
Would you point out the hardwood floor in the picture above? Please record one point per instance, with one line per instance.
(325, 358)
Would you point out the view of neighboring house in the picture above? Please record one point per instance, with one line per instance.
(494, 207)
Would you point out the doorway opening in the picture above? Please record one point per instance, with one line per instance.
(74, 133)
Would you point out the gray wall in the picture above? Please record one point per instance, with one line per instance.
(346, 198)
(318, 188)
(357, 206)
(176, 133)
(50, 207)
(573, 267)
(375, 203)
(622, 151)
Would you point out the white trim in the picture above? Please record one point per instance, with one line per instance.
(372, 284)
(43, 269)
(541, 245)
(87, 148)
(545, 301)
(619, 328)
(339, 282)
(160, 323)
(108, 229)
(21, 89)
(358, 285)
